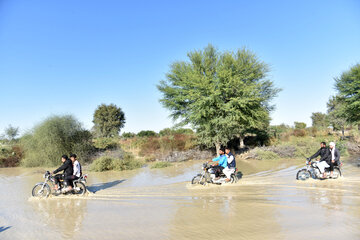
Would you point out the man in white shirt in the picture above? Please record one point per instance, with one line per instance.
(231, 164)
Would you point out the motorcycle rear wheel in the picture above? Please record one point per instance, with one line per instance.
(41, 192)
(336, 174)
(303, 175)
(79, 188)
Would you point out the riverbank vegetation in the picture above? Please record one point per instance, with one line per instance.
(225, 97)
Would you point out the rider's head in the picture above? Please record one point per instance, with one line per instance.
(323, 144)
(227, 150)
(64, 158)
(221, 151)
(73, 157)
(332, 145)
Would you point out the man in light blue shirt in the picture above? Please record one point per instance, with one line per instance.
(220, 163)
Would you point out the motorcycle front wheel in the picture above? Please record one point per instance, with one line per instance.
(303, 174)
(79, 188)
(40, 191)
(198, 179)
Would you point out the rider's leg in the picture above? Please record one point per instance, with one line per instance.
(331, 168)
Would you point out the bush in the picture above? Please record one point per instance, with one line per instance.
(105, 143)
(161, 165)
(106, 163)
(147, 133)
(10, 156)
(57, 135)
(299, 133)
(128, 135)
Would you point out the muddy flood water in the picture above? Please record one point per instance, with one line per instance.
(267, 203)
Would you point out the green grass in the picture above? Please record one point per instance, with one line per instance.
(107, 163)
(161, 165)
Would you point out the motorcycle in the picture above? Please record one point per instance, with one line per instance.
(208, 176)
(43, 189)
(312, 170)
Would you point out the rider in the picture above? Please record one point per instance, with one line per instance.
(221, 163)
(231, 164)
(334, 157)
(77, 171)
(68, 170)
(324, 155)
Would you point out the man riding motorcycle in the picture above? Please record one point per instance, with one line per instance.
(77, 172)
(221, 163)
(67, 167)
(324, 153)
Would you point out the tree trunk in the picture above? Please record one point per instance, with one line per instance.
(241, 144)
(343, 133)
(217, 146)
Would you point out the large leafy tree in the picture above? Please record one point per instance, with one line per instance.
(220, 94)
(57, 135)
(348, 87)
(108, 120)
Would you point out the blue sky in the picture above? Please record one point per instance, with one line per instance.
(68, 57)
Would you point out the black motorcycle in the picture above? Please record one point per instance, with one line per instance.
(43, 189)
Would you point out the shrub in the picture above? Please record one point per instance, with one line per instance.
(106, 163)
(161, 165)
(105, 143)
(55, 136)
(128, 135)
(299, 133)
(300, 125)
(147, 133)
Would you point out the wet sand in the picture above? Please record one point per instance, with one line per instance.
(267, 203)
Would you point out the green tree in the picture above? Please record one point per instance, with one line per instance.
(348, 87)
(220, 94)
(11, 132)
(108, 120)
(319, 120)
(57, 135)
(336, 113)
(146, 133)
(300, 125)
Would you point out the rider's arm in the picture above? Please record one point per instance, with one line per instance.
(216, 159)
(316, 154)
(62, 167)
(230, 159)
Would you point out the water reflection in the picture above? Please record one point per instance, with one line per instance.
(64, 216)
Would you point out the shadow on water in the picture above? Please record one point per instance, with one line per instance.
(4, 228)
(101, 186)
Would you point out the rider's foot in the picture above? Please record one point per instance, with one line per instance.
(227, 180)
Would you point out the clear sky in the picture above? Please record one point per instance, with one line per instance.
(68, 57)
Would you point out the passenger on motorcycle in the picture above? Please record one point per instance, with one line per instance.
(231, 164)
(76, 172)
(324, 158)
(334, 157)
(67, 167)
(221, 163)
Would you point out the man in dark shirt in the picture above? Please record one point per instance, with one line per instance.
(324, 154)
(67, 167)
